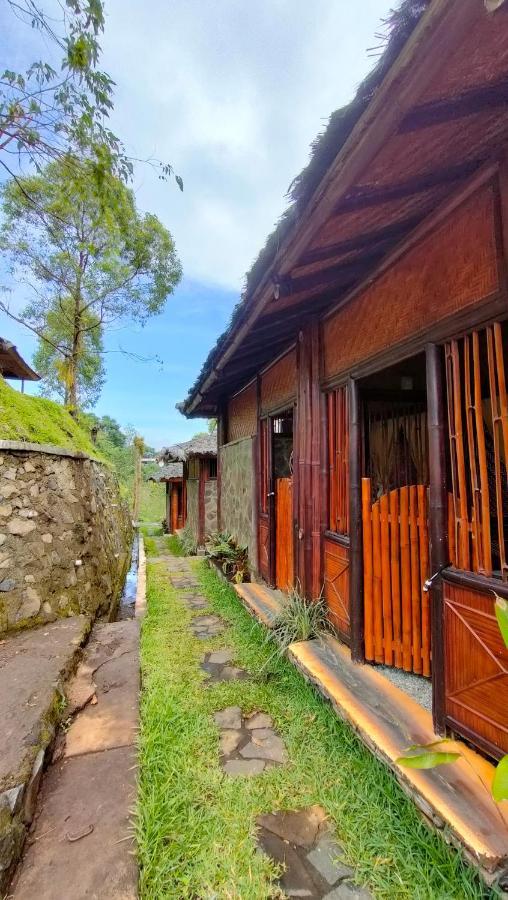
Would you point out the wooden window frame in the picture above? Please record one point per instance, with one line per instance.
(337, 406)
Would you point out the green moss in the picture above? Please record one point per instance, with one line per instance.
(40, 421)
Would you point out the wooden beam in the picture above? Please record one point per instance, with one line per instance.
(483, 98)
(438, 520)
(362, 197)
(368, 239)
(355, 523)
(338, 275)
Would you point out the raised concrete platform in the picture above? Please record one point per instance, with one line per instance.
(454, 797)
(33, 668)
(262, 602)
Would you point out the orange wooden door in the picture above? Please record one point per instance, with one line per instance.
(396, 564)
(265, 501)
(174, 508)
(284, 554)
(336, 578)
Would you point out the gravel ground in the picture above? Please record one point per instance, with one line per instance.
(417, 687)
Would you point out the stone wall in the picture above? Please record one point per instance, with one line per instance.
(65, 535)
(210, 506)
(193, 507)
(237, 494)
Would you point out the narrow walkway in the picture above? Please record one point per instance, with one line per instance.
(81, 843)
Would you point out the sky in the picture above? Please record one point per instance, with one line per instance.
(231, 94)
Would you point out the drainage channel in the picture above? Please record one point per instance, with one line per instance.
(126, 607)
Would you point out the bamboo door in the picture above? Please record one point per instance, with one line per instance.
(284, 564)
(174, 508)
(265, 501)
(396, 564)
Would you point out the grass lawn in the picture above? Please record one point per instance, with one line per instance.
(152, 502)
(195, 825)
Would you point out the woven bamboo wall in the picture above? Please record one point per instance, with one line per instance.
(242, 414)
(449, 270)
(278, 384)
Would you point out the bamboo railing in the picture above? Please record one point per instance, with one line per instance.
(396, 564)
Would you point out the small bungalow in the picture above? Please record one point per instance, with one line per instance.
(12, 364)
(172, 476)
(361, 395)
(197, 490)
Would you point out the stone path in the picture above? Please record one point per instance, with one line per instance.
(301, 841)
(81, 845)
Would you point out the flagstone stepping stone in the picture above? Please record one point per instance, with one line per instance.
(216, 665)
(258, 720)
(194, 602)
(207, 626)
(303, 843)
(242, 746)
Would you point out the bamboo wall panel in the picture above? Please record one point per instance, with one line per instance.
(338, 460)
(476, 668)
(451, 269)
(396, 564)
(284, 564)
(336, 580)
(242, 414)
(278, 383)
(478, 437)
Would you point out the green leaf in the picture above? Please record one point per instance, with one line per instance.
(502, 618)
(500, 783)
(437, 743)
(429, 760)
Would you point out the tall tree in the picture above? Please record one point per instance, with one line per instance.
(47, 111)
(90, 259)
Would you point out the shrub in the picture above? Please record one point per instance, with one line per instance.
(233, 558)
(299, 619)
(188, 542)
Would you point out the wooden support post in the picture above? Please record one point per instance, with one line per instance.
(221, 440)
(438, 519)
(169, 488)
(355, 522)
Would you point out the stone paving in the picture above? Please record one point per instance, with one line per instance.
(248, 744)
(204, 627)
(217, 667)
(312, 860)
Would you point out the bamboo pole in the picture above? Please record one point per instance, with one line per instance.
(377, 584)
(395, 577)
(405, 569)
(385, 578)
(424, 574)
(367, 570)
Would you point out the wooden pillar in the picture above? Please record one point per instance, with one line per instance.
(438, 522)
(221, 440)
(307, 451)
(168, 507)
(355, 523)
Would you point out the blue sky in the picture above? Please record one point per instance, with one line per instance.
(232, 94)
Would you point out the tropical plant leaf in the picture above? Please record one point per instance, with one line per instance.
(429, 760)
(500, 783)
(501, 607)
(444, 740)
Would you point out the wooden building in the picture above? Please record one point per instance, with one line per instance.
(361, 386)
(197, 491)
(13, 366)
(172, 476)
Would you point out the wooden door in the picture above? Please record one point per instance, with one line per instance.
(174, 508)
(336, 579)
(284, 539)
(396, 564)
(265, 502)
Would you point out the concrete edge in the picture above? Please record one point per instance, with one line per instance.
(140, 605)
(47, 449)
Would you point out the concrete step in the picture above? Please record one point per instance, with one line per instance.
(261, 601)
(34, 666)
(454, 797)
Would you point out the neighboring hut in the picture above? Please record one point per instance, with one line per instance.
(172, 476)
(13, 366)
(360, 388)
(198, 458)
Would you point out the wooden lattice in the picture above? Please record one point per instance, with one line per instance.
(449, 270)
(242, 414)
(278, 383)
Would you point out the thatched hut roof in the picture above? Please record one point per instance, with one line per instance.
(201, 445)
(167, 473)
(12, 364)
(398, 25)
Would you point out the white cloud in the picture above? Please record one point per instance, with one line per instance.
(232, 94)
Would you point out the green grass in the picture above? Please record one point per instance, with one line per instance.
(174, 545)
(195, 826)
(152, 506)
(40, 421)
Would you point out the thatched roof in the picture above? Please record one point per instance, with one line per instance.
(398, 27)
(167, 473)
(12, 364)
(201, 445)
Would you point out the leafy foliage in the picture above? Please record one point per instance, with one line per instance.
(188, 542)
(90, 260)
(229, 554)
(299, 619)
(47, 111)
